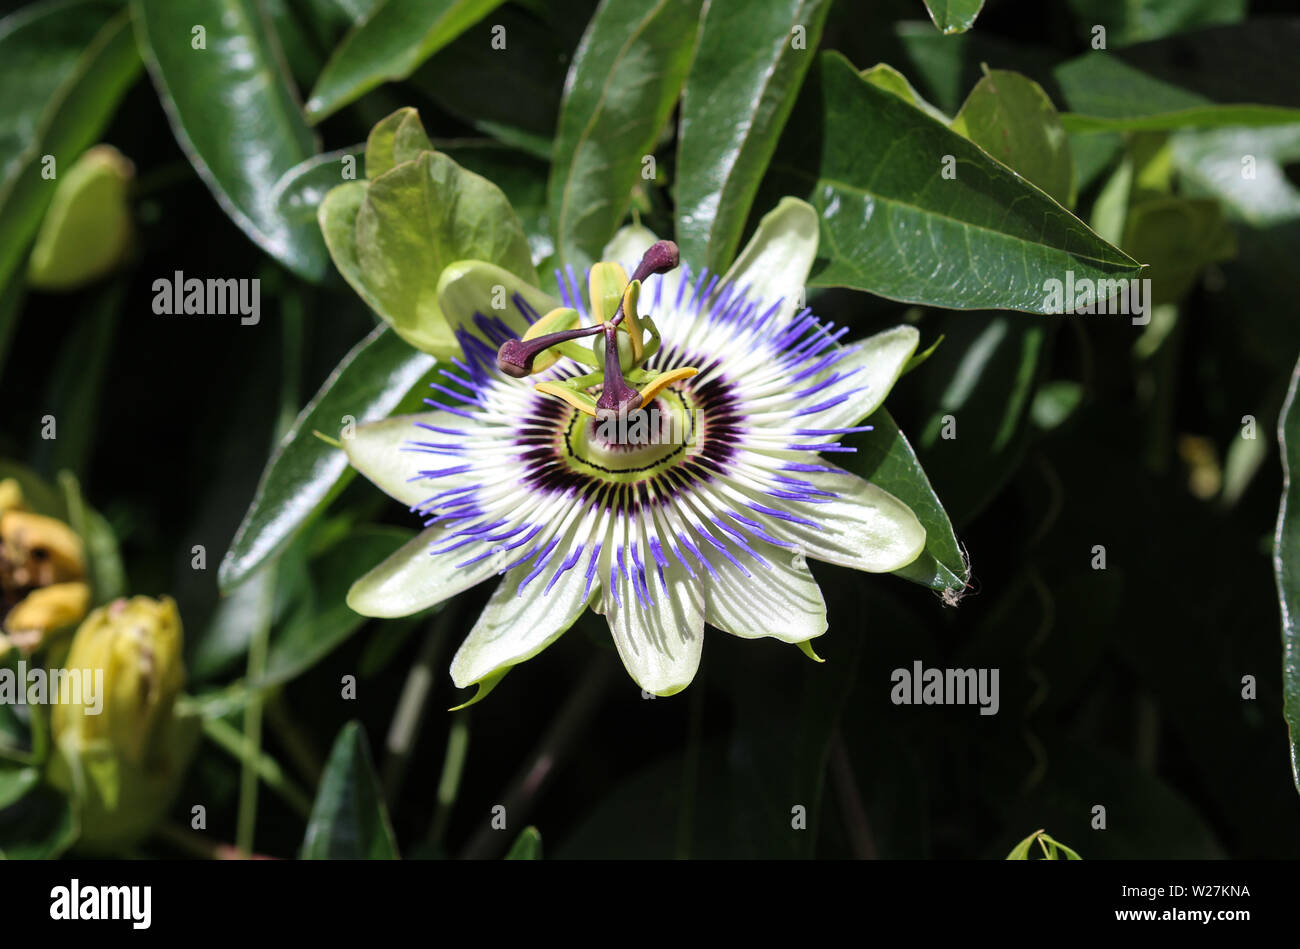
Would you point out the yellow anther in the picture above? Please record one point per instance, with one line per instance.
(565, 394)
(632, 322)
(561, 318)
(663, 380)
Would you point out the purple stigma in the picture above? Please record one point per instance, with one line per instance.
(660, 257)
(616, 397)
(515, 357)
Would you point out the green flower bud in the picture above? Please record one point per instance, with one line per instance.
(122, 749)
(87, 229)
(11, 495)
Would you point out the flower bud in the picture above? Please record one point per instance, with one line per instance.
(124, 736)
(11, 495)
(87, 230)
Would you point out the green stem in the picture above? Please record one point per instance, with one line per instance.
(453, 766)
(408, 717)
(554, 746)
(246, 822)
(259, 764)
(296, 743)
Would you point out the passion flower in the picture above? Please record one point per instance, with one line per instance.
(679, 483)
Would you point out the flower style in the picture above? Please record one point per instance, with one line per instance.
(685, 486)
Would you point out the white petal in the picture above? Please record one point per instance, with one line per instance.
(871, 368)
(659, 642)
(413, 579)
(776, 261)
(517, 625)
(385, 453)
(864, 527)
(629, 245)
(779, 599)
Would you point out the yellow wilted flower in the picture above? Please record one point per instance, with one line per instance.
(42, 573)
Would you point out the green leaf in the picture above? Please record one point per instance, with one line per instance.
(1243, 169)
(624, 81)
(1234, 75)
(954, 16)
(396, 138)
(523, 179)
(885, 458)
(349, 820)
(415, 220)
(1286, 566)
(749, 64)
(379, 376)
(64, 66)
(1133, 21)
(389, 44)
(513, 94)
(73, 393)
(1178, 237)
(885, 76)
(235, 115)
(40, 825)
(103, 558)
(312, 633)
(299, 192)
(892, 223)
(983, 378)
(16, 780)
(527, 846)
(1011, 118)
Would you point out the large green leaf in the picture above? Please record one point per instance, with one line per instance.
(235, 115)
(621, 88)
(885, 458)
(381, 375)
(1231, 75)
(893, 224)
(389, 44)
(511, 94)
(327, 621)
(1286, 565)
(954, 16)
(349, 820)
(1133, 21)
(742, 85)
(1011, 118)
(299, 192)
(64, 66)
